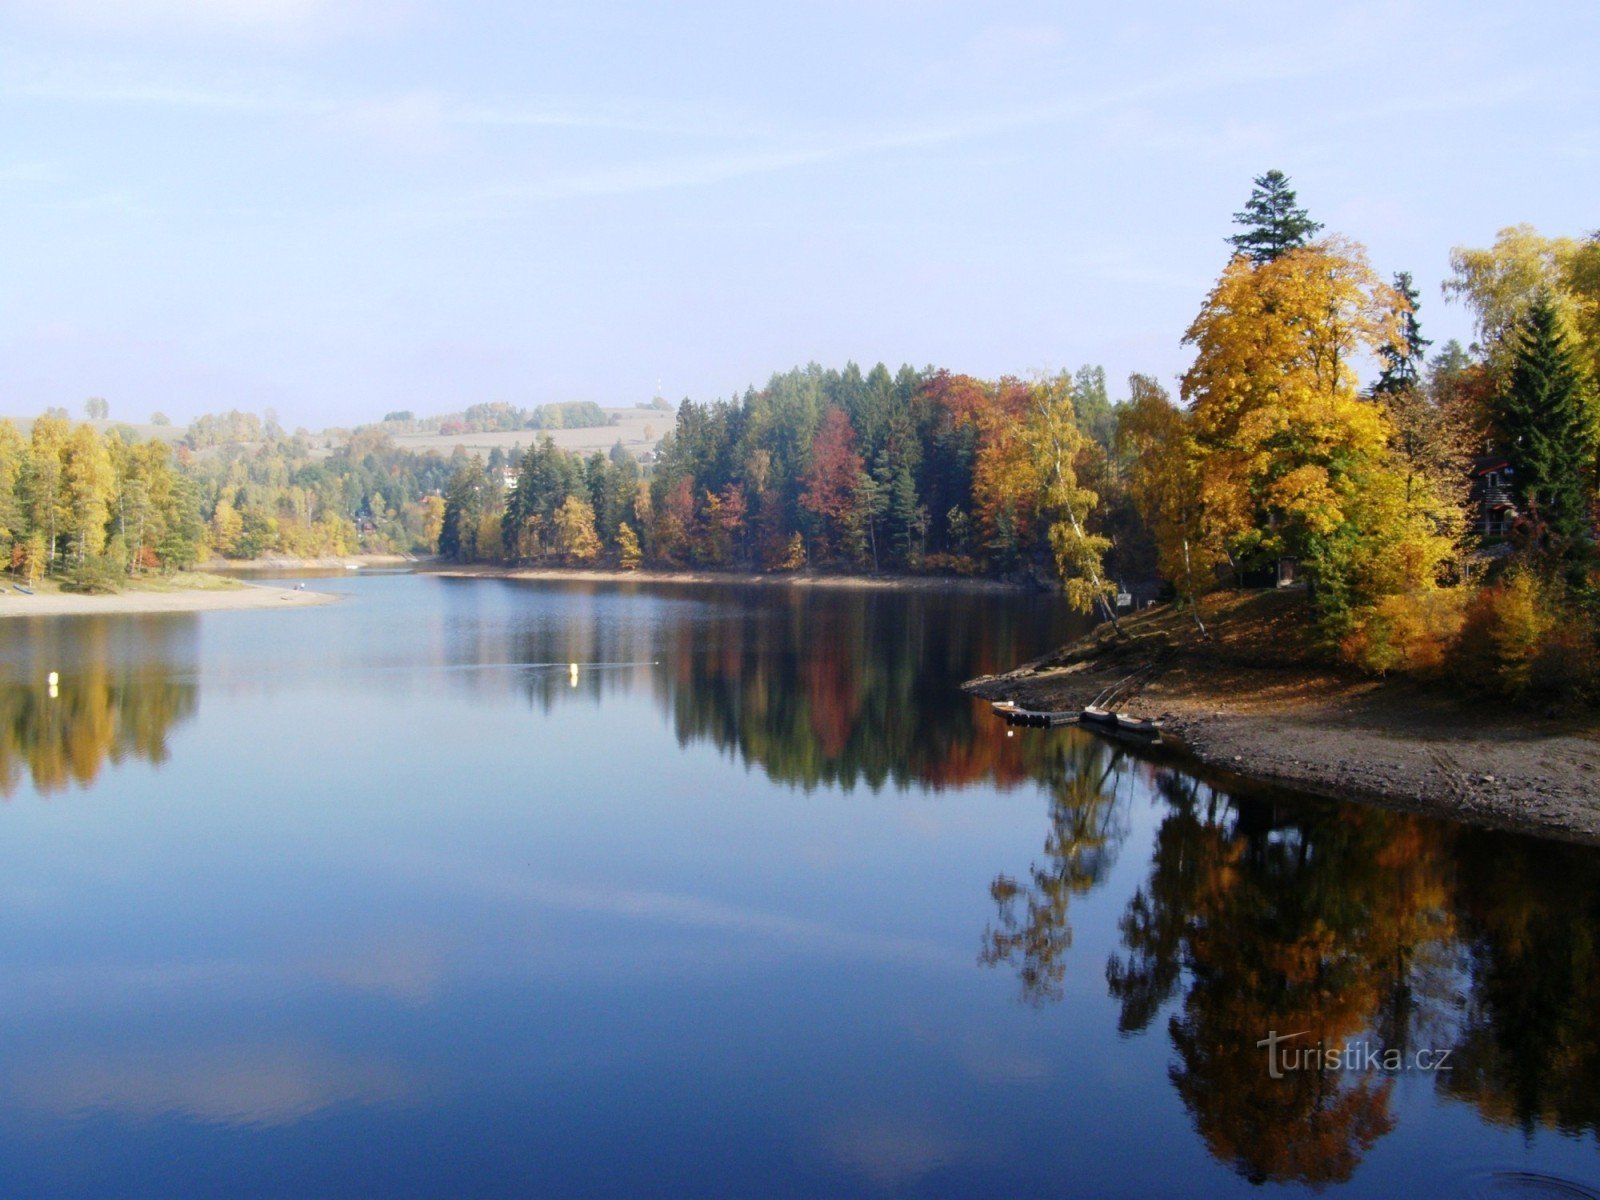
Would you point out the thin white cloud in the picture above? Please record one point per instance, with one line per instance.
(84, 88)
(705, 169)
(254, 18)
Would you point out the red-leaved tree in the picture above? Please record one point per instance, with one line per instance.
(832, 481)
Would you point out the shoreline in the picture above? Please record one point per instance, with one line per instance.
(1245, 723)
(927, 583)
(135, 601)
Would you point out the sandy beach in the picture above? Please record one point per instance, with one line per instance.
(224, 597)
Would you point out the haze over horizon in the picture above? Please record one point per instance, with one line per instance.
(337, 208)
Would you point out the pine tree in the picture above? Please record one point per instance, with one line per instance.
(1547, 424)
(463, 507)
(1273, 223)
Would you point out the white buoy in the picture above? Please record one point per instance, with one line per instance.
(52, 679)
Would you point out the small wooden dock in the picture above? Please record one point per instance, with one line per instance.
(1014, 714)
(1100, 720)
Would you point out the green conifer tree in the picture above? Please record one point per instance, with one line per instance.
(1273, 222)
(1548, 425)
(1402, 364)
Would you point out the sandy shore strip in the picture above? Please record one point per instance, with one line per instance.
(915, 583)
(140, 600)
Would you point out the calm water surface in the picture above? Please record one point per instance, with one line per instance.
(384, 899)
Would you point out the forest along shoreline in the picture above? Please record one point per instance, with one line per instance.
(1251, 702)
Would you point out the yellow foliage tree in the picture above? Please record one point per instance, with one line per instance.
(43, 485)
(1026, 474)
(1293, 460)
(1501, 283)
(432, 520)
(226, 526)
(489, 545)
(1156, 439)
(576, 538)
(90, 481)
(13, 456)
(628, 544)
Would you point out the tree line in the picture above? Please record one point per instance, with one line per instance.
(97, 507)
(94, 506)
(919, 470)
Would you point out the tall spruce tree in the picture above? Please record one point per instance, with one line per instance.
(1402, 363)
(1273, 222)
(1547, 424)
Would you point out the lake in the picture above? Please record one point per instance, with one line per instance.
(482, 888)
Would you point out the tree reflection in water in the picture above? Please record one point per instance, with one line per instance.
(855, 687)
(1528, 1054)
(107, 706)
(1340, 923)
(1087, 827)
(1305, 921)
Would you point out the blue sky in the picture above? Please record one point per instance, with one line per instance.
(336, 208)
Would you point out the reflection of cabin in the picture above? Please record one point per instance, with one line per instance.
(1491, 496)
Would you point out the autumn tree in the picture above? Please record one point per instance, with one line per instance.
(1026, 485)
(227, 527)
(89, 479)
(1157, 439)
(1502, 283)
(833, 482)
(1054, 443)
(1294, 460)
(1431, 439)
(1273, 222)
(672, 531)
(13, 456)
(432, 520)
(1005, 482)
(43, 483)
(628, 546)
(576, 539)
